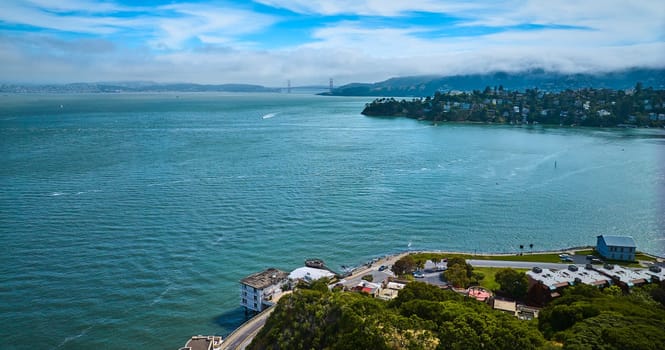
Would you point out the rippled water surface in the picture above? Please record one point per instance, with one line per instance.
(127, 220)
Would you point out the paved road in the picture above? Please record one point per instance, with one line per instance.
(243, 336)
(378, 276)
(433, 278)
(516, 264)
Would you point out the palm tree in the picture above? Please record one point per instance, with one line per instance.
(521, 248)
(531, 247)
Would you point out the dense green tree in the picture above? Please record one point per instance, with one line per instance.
(476, 278)
(424, 291)
(426, 317)
(457, 276)
(422, 317)
(309, 319)
(648, 295)
(461, 262)
(612, 290)
(585, 318)
(403, 266)
(658, 294)
(512, 282)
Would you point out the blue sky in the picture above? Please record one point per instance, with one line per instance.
(308, 41)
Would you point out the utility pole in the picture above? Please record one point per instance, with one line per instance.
(288, 86)
(331, 85)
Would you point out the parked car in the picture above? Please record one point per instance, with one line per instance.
(418, 274)
(382, 267)
(596, 261)
(567, 259)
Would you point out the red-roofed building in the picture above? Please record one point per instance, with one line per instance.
(370, 288)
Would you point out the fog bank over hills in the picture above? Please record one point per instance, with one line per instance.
(541, 79)
(417, 86)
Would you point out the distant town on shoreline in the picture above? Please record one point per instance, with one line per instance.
(636, 107)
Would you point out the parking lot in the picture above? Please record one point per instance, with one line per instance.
(433, 277)
(577, 259)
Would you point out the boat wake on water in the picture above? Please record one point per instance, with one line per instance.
(269, 115)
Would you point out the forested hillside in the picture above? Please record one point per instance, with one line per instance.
(426, 317)
(422, 317)
(588, 107)
(421, 86)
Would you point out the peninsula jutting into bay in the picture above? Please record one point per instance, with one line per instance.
(638, 107)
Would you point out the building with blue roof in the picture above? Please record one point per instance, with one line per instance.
(616, 247)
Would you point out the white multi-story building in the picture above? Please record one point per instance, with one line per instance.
(257, 290)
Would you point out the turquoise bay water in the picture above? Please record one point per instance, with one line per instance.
(127, 220)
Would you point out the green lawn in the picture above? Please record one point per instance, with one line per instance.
(526, 256)
(549, 258)
(488, 282)
(642, 256)
(535, 257)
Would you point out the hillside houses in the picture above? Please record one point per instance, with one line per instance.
(586, 107)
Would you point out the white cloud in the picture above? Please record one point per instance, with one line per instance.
(203, 43)
(168, 26)
(87, 6)
(370, 7)
(17, 12)
(62, 61)
(209, 24)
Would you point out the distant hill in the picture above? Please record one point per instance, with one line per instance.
(420, 86)
(131, 87)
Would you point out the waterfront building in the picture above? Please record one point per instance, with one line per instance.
(546, 284)
(257, 290)
(309, 274)
(616, 247)
(623, 277)
(203, 342)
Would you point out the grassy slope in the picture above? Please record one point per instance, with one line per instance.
(488, 282)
